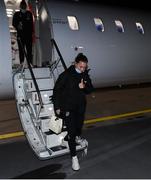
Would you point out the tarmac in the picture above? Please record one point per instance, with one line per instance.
(117, 127)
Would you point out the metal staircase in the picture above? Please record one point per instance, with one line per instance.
(33, 91)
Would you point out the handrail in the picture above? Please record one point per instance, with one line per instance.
(32, 74)
(59, 53)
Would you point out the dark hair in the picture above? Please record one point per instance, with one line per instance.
(81, 57)
(23, 4)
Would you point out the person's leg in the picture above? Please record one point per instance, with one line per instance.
(70, 122)
(71, 129)
(80, 122)
(28, 44)
(80, 116)
(21, 45)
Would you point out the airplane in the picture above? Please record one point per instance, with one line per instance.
(116, 42)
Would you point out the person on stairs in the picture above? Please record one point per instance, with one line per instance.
(69, 99)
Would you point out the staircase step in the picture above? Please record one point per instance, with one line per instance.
(46, 97)
(58, 148)
(55, 140)
(46, 111)
(43, 84)
(45, 124)
(40, 73)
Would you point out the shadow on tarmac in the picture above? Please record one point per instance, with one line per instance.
(47, 172)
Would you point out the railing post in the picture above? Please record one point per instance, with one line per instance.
(32, 74)
(58, 51)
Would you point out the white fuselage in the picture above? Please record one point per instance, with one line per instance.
(114, 58)
(6, 85)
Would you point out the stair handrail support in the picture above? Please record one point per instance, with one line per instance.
(33, 78)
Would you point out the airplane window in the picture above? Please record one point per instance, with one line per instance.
(119, 26)
(73, 23)
(140, 28)
(99, 24)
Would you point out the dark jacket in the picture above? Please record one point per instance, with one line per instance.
(66, 94)
(26, 21)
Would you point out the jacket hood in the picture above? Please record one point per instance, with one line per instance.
(72, 70)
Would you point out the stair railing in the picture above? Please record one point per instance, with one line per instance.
(33, 77)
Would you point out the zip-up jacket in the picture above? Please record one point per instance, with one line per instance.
(66, 93)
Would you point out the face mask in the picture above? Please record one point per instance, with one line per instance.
(77, 70)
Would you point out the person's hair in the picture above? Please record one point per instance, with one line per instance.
(23, 4)
(81, 57)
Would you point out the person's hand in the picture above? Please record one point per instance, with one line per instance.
(82, 84)
(58, 111)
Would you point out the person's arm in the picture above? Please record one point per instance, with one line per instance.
(88, 84)
(15, 21)
(58, 89)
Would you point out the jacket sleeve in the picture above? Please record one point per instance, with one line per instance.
(58, 90)
(31, 21)
(15, 21)
(88, 83)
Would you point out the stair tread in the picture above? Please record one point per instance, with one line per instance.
(38, 72)
(43, 84)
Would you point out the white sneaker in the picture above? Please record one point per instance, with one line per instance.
(75, 163)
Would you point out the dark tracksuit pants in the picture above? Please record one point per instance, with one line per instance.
(27, 44)
(74, 124)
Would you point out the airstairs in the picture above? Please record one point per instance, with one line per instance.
(33, 91)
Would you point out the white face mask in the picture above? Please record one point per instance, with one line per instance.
(77, 70)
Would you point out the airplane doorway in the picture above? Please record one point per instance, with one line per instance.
(11, 7)
(41, 49)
